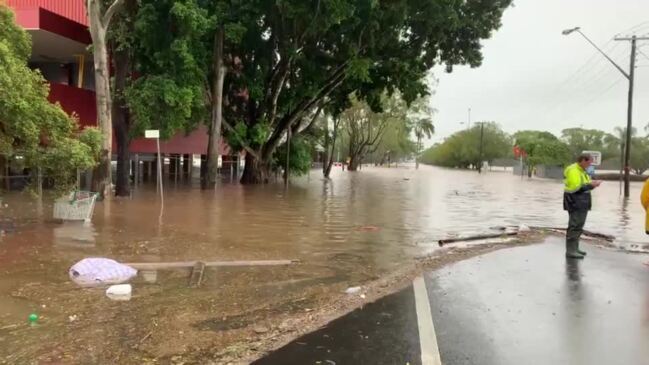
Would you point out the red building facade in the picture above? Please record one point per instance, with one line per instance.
(60, 37)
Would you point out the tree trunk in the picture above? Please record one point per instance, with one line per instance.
(121, 117)
(326, 168)
(103, 178)
(217, 112)
(98, 25)
(353, 163)
(255, 171)
(329, 160)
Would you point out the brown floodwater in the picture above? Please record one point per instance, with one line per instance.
(345, 231)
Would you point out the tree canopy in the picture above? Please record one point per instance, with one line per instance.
(31, 128)
(295, 55)
(580, 139)
(542, 148)
(462, 149)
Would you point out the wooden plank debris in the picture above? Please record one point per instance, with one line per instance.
(476, 238)
(191, 264)
(196, 278)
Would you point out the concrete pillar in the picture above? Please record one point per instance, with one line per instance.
(187, 166)
(172, 164)
(165, 168)
(203, 167)
(154, 169)
(177, 168)
(238, 160)
(150, 170)
(136, 170)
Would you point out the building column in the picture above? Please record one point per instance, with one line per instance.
(136, 170)
(203, 167)
(187, 167)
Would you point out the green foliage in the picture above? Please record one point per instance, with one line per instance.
(300, 159)
(374, 136)
(30, 126)
(333, 48)
(160, 102)
(242, 134)
(171, 53)
(542, 148)
(639, 160)
(579, 140)
(91, 136)
(462, 149)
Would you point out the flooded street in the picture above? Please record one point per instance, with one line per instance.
(345, 232)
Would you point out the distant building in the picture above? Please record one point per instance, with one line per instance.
(60, 40)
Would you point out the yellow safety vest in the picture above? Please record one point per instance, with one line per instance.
(575, 177)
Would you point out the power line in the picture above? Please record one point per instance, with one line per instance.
(597, 97)
(583, 78)
(643, 54)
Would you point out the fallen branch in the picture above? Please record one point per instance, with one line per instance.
(476, 238)
(191, 264)
(603, 236)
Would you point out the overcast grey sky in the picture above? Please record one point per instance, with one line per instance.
(533, 77)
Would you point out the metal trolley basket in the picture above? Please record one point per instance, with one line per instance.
(77, 206)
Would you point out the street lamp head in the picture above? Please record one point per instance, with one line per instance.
(568, 31)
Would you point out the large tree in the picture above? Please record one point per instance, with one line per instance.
(365, 128)
(295, 53)
(121, 41)
(34, 131)
(184, 53)
(420, 118)
(580, 139)
(542, 148)
(462, 149)
(100, 14)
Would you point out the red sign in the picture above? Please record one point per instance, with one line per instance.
(519, 152)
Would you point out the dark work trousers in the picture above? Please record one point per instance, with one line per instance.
(576, 221)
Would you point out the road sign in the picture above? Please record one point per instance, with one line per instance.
(596, 155)
(152, 133)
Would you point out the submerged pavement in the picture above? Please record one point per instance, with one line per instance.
(524, 305)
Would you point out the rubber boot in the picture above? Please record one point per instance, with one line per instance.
(572, 251)
(583, 253)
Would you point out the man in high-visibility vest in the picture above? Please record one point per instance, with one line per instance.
(577, 201)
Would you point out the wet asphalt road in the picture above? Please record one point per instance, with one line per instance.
(524, 305)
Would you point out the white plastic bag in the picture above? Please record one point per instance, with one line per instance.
(100, 271)
(119, 292)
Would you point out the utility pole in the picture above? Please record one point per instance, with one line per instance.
(481, 139)
(629, 115)
(468, 126)
(629, 76)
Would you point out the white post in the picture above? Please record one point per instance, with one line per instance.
(154, 133)
(160, 162)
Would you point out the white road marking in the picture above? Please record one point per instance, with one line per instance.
(427, 338)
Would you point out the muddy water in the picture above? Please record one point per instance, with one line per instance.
(346, 231)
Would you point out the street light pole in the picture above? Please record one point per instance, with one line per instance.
(629, 76)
